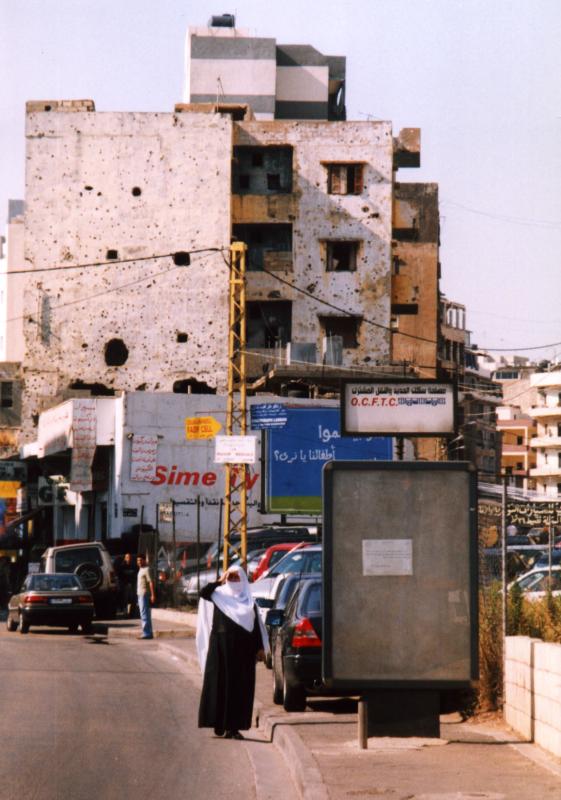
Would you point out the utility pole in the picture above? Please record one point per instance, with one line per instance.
(235, 499)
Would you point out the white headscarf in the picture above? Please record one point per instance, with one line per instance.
(235, 600)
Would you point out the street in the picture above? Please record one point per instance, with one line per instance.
(92, 717)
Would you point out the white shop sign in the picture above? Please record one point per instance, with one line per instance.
(235, 450)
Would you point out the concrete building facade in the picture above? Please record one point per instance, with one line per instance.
(110, 197)
(228, 65)
(11, 296)
(547, 443)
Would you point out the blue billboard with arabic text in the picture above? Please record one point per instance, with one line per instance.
(295, 455)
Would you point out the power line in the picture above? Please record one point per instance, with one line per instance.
(177, 255)
(505, 217)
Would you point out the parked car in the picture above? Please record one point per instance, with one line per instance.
(189, 588)
(273, 554)
(535, 583)
(265, 537)
(55, 599)
(297, 647)
(308, 559)
(285, 587)
(91, 562)
(543, 560)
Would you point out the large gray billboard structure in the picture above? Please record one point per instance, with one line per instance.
(400, 572)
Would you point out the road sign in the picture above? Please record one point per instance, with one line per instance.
(235, 450)
(201, 427)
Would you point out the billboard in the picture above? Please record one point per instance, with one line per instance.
(400, 575)
(296, 453)
(404, 408)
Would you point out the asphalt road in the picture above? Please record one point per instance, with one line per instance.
(90, 717)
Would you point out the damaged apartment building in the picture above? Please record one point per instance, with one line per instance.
(129, 219)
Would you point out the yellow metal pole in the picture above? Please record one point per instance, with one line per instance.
(235, 501)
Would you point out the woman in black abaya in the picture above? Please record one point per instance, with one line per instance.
(230, 639)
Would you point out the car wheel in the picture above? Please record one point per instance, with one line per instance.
(11, 624)
(73, 628)
(277, 689)
(90, 575)
(87, 627)
(23, 625)
(293, 697)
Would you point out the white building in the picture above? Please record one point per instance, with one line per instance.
(547, 443)
(225, 64)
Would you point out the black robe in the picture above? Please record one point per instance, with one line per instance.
(229, 679)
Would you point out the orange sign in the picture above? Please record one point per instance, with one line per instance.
(201, 427)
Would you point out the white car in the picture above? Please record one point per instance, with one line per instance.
(535, 583)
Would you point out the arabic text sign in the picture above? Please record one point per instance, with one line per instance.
(235, 450)
(201, 427)
(297, 453)
(144, 455)
(412, 408)
(268, 415)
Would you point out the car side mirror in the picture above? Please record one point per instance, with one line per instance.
(274, 618)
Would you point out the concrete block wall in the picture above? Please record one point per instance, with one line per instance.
(533, 690)
(130, 185)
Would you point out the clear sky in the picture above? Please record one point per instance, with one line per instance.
(481, 78)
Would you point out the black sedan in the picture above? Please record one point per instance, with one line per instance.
(297, 647)
(55, 599)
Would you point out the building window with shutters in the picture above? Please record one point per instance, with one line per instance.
(344, 178)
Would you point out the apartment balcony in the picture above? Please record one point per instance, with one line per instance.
(546, 472)
(546, 441)
(545, 412)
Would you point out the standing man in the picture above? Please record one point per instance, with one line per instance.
(146, 595)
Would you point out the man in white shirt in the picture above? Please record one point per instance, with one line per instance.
(146, 595)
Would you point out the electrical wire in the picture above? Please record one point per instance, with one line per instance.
(109, 262)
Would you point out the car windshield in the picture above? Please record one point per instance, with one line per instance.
(54, 583)
(68, 560)
(298, 561)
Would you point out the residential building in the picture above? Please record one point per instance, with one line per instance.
(225, 64)
(517, 457)
(11, 296)
(547, 443)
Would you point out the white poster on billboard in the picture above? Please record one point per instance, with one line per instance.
(407, 408)
(235, 450)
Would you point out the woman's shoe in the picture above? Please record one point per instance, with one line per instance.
(233, 735)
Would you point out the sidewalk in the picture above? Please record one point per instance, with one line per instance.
(482, 760)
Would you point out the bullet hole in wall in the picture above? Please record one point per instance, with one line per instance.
(182, 338)
(112, 255)
(88, 188)
(137, 191)
(116, 353)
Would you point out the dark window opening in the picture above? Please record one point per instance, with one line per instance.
(341, 256)
(192, 386)
(269, 323)
(262, 170)
(95, 389)
(264, 242)
(344, 178)
(6, 394)
(274, 182)
(112, 255)
(182, 338)
(345, 327)
(405, 308)
(116, 353)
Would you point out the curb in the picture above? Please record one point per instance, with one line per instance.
(277, 730)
